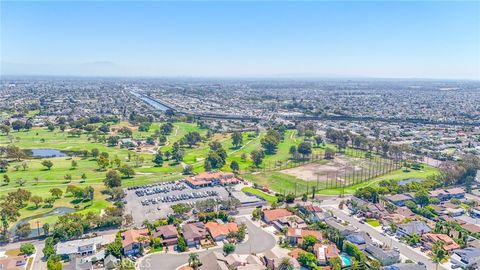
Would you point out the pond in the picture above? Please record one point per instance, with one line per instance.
(45, 153)
(36, 232)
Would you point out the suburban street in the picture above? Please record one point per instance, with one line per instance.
(404, 249)
(258, 241)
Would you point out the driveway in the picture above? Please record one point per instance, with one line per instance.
(258, 241)
(404, 249)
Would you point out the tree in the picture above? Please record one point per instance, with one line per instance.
(36, 200)
(228, 248)
(68, 177)
(329, 153)
(84, 177)
(375, 265)
(54, 264)
(192, 138)
(335, 263)
(27, 249)
(89, 192)
(187, 169)
(181, 244)
(292, 151)
(309, 241)
(285, 264)
(49, 201)
(234, 166)
(112, 140)
(257, 157)
(125, 131)
(318, 140)
(290, 198)
(207, 165)
(6, 179)
(48, 164)
(17, 125)
(158, 159)
(305, 149)
(102, 162)
(194, 260)
(46, 229)
(9, 213)
(422, 197)
(237, 139)
(439, 252)
(112, 179)
(24, 165)
(307, 259)
(115, 248)
(127, 171)
(74, 164)
(56, 192)
(95, 152)
(23, 230)
(21, 181)
(5, 129)
(3, 165)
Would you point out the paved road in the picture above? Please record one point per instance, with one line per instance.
(258, 241)
(404, 249)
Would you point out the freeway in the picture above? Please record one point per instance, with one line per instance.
(404, 249)
(258, 241)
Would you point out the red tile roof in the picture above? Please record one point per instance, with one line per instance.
(216, 229)
(132, 235)
(276, 214)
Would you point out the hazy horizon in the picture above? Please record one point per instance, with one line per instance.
(366, 40)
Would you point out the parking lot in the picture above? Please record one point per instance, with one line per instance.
(153, 201)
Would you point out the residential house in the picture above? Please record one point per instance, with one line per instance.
(385, 257)
(194, 233)
(450, 209)
(325, 252)
(471, 227)
(343, 229)
(475, 212)
(399, 199)
(217, 261)
(133, 240)
(220, 232)
(466, 258)
(295, 236)
(111, 262)
(13, 263)
(292, 221)
(413, 227)
(447, 194)
(272, 259)
(272, 215)
(360, 239)
(312, 212)
(82, 247)
(429, 239)
(168, 234)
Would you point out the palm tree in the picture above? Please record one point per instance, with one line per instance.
(285, 264)
(438, 252)
(193, 260)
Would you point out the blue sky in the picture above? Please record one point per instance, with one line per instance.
(365, 39)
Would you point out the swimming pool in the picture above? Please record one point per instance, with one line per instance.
(345, 260)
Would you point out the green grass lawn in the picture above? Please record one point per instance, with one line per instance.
(373, 222)
(281, 182)
(269, 198)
